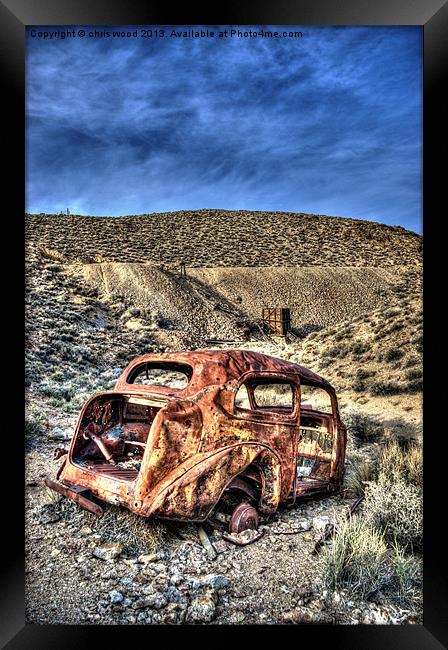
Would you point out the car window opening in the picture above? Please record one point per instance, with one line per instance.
(266, 395)
(316, 436)
(172, 375)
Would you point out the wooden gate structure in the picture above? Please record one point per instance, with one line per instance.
(277, 320)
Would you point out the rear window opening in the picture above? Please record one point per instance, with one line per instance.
(171, 375)
(274, 395)
(315, 398)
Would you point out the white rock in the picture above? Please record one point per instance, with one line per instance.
(321, 523)
(58, 434)
(108, 551)
(202, 608)
(116, 596)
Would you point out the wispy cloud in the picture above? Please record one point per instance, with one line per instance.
(329, 123)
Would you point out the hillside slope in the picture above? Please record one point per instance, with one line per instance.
(226, 238)
(211, 301)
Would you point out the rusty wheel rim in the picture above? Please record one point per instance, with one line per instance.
(244, 517)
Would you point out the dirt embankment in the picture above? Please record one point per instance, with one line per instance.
(214, 300)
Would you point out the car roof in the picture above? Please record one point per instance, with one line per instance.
(232, 364)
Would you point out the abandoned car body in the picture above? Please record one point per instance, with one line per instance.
(182, 429)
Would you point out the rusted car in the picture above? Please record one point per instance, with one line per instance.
(182, 430)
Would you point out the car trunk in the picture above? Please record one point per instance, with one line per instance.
(113, 434)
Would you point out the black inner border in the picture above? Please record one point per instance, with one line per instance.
(433, 16)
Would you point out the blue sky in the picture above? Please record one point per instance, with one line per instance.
(329, 123)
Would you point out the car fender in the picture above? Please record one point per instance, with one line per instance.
(191, 493)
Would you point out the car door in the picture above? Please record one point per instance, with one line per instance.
(266, 405)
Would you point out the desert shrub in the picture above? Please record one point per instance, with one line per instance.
(58, 391)
(391, 312)
(393, 353)
(324, 363)
(137, 533)
(363, 427)
(414, 373)
(395, 508)
(411, 361)
(362, 373)
(385, 388)
(414, 386)
(395, 327)
(33, 426)
(67, 338)
(359, 384)
(359, 347)
(58, 375)
(57, 402)
(401, 462)
(418, 342)
(162, 322)
(360, 472)
(357, 559)
(340, 351)
(406, 586)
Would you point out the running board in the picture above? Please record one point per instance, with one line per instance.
(74, 495)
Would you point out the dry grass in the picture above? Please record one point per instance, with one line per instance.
(396, 462)
(357, 559)
(361, 427)
(401, 463)
(395, 508)
(359, 473)
(137, 534)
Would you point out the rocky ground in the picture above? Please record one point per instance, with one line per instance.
(80, 570)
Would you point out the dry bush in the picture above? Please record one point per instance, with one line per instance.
(396, 509)
(406, 587)
(360, 472)
(139, 534)
(401, 463)
(51, 499)
(363, 427)
(385, 388)
(33, 426)
(357, 559)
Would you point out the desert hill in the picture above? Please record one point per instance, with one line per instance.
(215, 238)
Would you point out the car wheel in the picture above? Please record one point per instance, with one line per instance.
(244, 517)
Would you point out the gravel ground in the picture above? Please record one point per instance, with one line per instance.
(169, 578)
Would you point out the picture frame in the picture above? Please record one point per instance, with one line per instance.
(433, 17)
